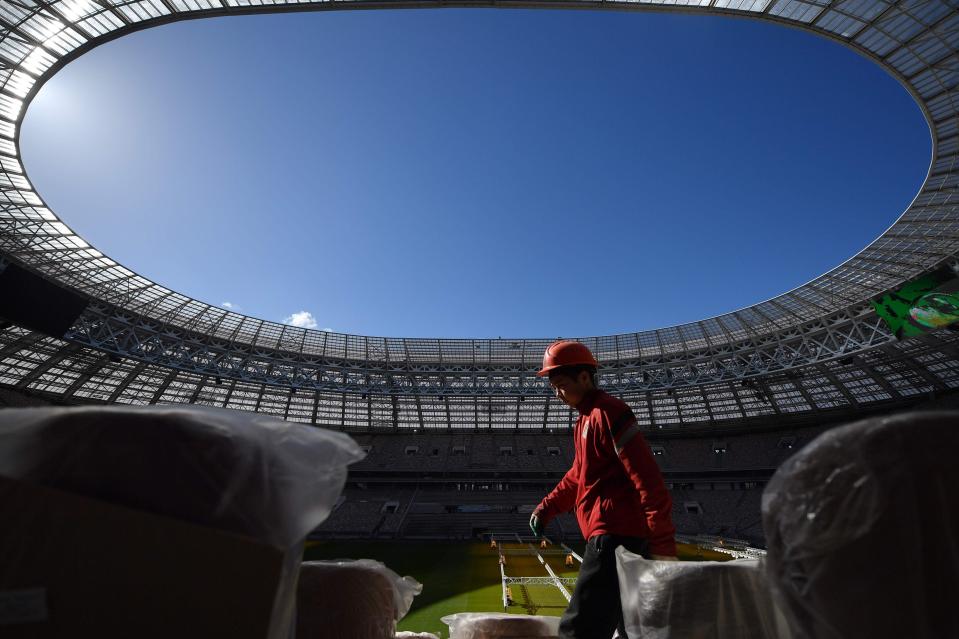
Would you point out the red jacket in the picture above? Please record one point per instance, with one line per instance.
(614, 484)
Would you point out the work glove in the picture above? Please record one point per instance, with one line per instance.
(537, 522)
(665, 558)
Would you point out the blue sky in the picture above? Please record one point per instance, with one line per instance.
(476, 173)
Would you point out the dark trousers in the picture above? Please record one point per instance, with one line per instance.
(595, 611)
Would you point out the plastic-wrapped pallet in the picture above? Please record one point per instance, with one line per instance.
(491, 625)
(360, 599)
(152, 497)
(676, 600)
(245, 473)
(863, 530)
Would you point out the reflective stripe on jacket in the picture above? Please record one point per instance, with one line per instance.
(615, 484)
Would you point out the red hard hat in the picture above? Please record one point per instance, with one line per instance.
(566, 353)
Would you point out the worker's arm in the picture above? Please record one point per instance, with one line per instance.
(641, 467)
(560, 500)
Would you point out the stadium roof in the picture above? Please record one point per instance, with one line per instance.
(138, 341)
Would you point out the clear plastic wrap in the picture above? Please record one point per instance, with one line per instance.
(863, 530)
(360, 599)
(694, 599)
(101, 570)
(493, 625)
(250, 474)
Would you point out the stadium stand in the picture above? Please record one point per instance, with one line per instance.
(724, 487)
(723, 513)
(356, 519)
(714, 493)
(756, 384)
(436, 452)
(728, 452)
(363, 513)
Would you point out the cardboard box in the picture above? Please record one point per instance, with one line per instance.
(77, 567)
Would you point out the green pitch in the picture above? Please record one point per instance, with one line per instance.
(464, 577)
(456, 577)
(534, 600)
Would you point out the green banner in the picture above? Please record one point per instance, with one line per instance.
(922, 305)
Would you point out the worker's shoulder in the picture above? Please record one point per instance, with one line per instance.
(609, 404)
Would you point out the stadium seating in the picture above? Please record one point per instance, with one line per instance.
(735, 452)
(503, 469)
(531, 453)
(724, 513)
(724, 486)
(355, 518)
(565, 527)
(367, 513)
(468, 451)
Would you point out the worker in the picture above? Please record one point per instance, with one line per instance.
(615, 486)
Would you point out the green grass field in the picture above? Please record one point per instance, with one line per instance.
(456, 577)
(464, 577)
(535, 600)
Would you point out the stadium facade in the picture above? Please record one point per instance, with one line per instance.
(107, 334)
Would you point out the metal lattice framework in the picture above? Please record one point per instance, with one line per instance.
(540, 581)
(819, 347)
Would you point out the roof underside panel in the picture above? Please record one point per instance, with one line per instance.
(141, 342)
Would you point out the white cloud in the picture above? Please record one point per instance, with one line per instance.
(231, 306)
(303, 319)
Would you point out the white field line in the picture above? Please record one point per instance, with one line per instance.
(556, 581)
(502, 575)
